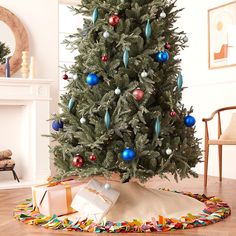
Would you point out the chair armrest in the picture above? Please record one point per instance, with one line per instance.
(211, 117)
(207, 119)
(217, 111)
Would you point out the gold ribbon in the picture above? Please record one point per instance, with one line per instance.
(103, 197)
(53, 184)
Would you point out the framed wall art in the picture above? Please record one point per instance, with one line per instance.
(222, 36)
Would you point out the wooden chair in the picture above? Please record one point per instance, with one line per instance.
(227, 138)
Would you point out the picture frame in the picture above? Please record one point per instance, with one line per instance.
(222, 36)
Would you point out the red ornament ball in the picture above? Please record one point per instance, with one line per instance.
(104, 58)
(138, 94)
(65, 77)
(173, 114)
(78, 161)
(167, 46)
(114, 20)
(93, 157)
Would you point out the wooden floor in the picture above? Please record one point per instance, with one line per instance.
(227, 191)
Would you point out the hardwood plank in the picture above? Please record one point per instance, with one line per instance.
(225, 190)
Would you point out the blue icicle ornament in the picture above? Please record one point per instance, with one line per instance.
(126, 58)
(71, 104)
(180, 81)
(95, 15)
(107, 119)
(148, 30)
(157, 127)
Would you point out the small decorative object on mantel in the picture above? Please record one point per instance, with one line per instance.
(7, 68)
(4, 51)
(5, 59)
(25, 65)
(32, 68)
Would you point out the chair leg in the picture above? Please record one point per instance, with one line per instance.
(220, 161)
(206, 164)
(15, 176)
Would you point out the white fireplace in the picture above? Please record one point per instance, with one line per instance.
(24, 111)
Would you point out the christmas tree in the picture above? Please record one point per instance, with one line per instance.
(4, 51)
(122, 112)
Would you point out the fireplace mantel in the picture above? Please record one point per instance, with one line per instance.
(33, 96)
(24, 89)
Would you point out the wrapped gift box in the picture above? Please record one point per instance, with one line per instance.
(55, 198)
(93, 201)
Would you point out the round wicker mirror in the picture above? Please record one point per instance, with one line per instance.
(21, 39)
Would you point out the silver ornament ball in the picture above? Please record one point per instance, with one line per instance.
(107, 186)
(144, 74)
(163, 14)
(185, 39)
(106, 34)
(117, 91)
(168, 151)
(82, 120)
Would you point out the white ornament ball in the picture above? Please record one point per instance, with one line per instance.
(185, 39)
(107, 186)
(163, 14)
(117, 91)
(168, 151)
(144, 74)
(82, 120)
(106, 34)
(75, 77)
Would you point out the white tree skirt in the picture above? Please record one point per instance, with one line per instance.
(138, 202)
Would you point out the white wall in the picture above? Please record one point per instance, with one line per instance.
(207, 89)
(40, 18)
(68, 24)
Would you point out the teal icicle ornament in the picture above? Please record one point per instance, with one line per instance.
(158, 127)
(95, 15)
(180, 81)
(71, 104)
(148, 30)
(126, 58)
(107, 119)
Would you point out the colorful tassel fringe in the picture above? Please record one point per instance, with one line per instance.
(215, 211)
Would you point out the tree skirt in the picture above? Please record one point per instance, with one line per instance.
(215, 211)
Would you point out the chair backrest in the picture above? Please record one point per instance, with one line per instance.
(230, 132)
(218, 113)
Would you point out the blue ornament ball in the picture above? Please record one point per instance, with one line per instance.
(57, 124)
(92, 79)
(162, 56)
(128, 154)
(189, 121)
